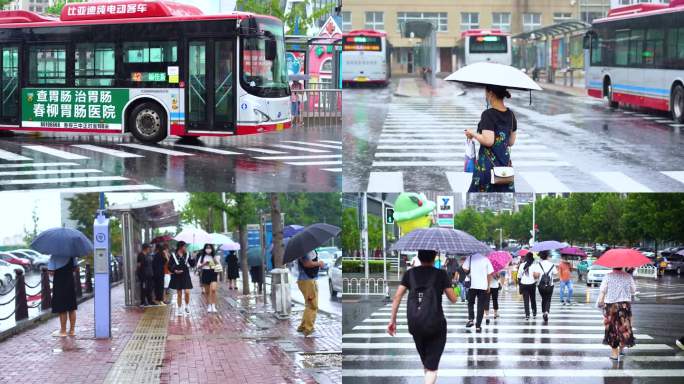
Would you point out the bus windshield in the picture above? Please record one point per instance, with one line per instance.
(261, 77)
(362, 43)
(488, 44)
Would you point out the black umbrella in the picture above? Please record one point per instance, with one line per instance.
(309, 239)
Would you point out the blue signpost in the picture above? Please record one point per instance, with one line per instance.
(103, 317)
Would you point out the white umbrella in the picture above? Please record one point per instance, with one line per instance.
(194, 236)
(483, 73)
(219, 238)
(232, 246)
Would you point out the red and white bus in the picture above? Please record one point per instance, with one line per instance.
(637, 57)
(366, 57)
(480, 45)
(151, 68)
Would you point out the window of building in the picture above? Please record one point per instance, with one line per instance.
(559, 17)
(346, 21)
(589, 17)
(502, 21)
(47, 64)
(150, 52)
(94, 64)
(438, 19)
(470, 20)
(375, 20)
(531, 21)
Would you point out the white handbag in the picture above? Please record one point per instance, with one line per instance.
(502, 175)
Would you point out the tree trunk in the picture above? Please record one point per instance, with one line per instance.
(244, 264)
(277, 229)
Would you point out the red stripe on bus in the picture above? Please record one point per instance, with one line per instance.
(642, 101)
(595, 93)
(179, 130)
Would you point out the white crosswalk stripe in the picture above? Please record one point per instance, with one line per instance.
(55, 152)
(9, 156)
(570, 345)
(161, 150)
(107, 151)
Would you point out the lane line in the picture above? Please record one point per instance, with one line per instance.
(107, 151)
(62, 180)
(263, 150)
(55, 152)
(10, 156)
(35, 165)
(619, 182)
(207, 149)
(314, 144)
(298, 157)
(385, 182)
(163, 151)
(299, 148)
(109, 188)
(506, 345)
(508, 372)
(49, 172)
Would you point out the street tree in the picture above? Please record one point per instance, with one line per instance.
(351, 241)
(31, 234)
(58, 5)
(296, 20)
(471, 221)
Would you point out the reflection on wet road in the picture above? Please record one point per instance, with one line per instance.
(294, 160)
(565, 143)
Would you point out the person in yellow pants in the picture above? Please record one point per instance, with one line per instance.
(306, 281)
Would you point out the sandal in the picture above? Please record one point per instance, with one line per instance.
(57, 333)
(614, 358)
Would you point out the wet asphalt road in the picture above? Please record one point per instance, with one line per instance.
(294, 160)
(565, 143)
(512, 350)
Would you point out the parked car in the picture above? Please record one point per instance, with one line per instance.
(675, 263)
(326, 257)
(334, 250)
(37, 260)
(583, 268)
(12, 259)
(335, 277)
(13, 267)
(596, 274)
(6, 276)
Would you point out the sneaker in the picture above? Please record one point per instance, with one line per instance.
(179, 313)
(546, 317)
(469, 324)
(487, 321)
(187, 311)
(563, 303)
(527, 318)
(680, 343)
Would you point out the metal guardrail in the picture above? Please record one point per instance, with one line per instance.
(362, 286)
(649, 271)
(321, 108)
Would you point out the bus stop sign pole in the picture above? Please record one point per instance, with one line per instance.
(103, 317)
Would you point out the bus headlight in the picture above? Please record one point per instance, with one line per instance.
(262, 116)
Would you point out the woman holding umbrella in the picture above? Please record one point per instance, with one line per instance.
(180, 277)
(64, 297)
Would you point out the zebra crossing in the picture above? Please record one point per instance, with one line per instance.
(97, 167)
(658, 119)
(569, 346)
(422, 143)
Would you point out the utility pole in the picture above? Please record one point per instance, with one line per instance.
(364, 236)
(534, 209)
(384, 247)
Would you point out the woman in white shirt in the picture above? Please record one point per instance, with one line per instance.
(208, 261)
(493, 296)
(527, 285)
(543, 272)
(617, 289)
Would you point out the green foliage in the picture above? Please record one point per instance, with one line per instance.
(273, 8)
(469, 220)
(356, 266)
(56, 7)
(83, 209)
(351, 237)
(29, 235)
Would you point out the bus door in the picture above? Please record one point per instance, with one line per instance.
(9, 85)
(210, 91)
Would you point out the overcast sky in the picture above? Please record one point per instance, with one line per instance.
(212, 6)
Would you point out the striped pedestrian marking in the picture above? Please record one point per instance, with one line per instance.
(498, 335)
(502, 327)
(303, 157)
(163, 151)
(544, 182)
(460, 358)
(299, 148)
(504, 345)
(37, 165)
(207, 149)
(62, 180)
(48, 172)
(104, 188)
(307, 163)
(677, 175)
(620, 182)
(107, 151)
(552, 320)
(459, 181)
(55, 152)
(386, 182)
(9, 156)
(333, 170)
(263, 150)
(330, 142)
(509, 372)
(314, 144)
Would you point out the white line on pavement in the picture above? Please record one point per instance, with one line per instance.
(48, 172)
(437, 163)
(500, 335)
(36, 165)
(157, 150)
(543, 182)
(509, 372)
(386, 182)
(554, 327)
(56, 152)
(333, 170)
(460, 358)
(552, 319)
(263, 150)
(107, 151)
(207, 149)
(677, 175)
(503, 345)
(620, 182)
(330, 141)
(314, 144)
(105, 188)
(299, 148)
(62, 180)
(10, 156)
(298, 157)
(459, 181)
(313, 162)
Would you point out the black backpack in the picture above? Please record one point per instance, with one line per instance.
(311, 272)
(423, 312)
(545, 282)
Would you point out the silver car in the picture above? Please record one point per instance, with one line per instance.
(335, 277)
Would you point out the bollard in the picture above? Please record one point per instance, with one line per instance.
(89, 279)
(20, 304)
(77, 278)
(45, 291)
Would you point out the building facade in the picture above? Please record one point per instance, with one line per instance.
(622, 3)
(450, 18)
(29, 5)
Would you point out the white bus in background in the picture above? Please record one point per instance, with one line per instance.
(636, 57)
(365, 58)
(478, 45)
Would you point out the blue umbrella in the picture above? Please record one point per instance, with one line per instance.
(254, 256)
(441, 239)
(292, 230)
(62, 244)
(548, 245)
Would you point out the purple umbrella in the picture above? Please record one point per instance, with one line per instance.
(441, 239)
(499, 260)
(292, 230)
(573, 251)
(549, 245)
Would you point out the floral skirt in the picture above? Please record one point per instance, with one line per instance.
(617, 318)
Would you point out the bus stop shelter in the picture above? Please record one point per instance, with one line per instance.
(427, 49)
(138, 220)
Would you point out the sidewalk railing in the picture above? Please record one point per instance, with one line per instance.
(649, 271)
(362, 286)
(321, 108)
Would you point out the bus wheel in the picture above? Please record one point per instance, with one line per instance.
(677, 104)
(609, 95)
(147, 123)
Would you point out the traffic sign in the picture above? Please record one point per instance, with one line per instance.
(389, 215)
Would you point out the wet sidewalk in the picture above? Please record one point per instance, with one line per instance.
(242, 343)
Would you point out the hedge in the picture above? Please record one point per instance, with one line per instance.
(356, 266)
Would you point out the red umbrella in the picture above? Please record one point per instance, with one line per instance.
(499, 260)
(523, 252)
(162, 239)
(622, 258)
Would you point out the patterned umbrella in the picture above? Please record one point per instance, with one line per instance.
(441, 239)
(549, 245)
(499, 260)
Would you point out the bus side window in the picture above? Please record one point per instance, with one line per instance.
(47, 65)
(94, 65)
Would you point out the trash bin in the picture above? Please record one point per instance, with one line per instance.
(280, 292)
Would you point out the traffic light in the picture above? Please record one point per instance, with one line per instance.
(389, 215)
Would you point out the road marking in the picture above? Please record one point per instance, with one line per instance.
(543, 182)
(314, 163)
(62, 180)
(56, 152)
(496, 345)
(509, 372)
(10, 156)
(386, 182)
(48, 172)
(552, 319)
(298, 157)
(499, 335)
(620, 182)
(330, 142)
(431, 147)
(299, 148)
(506, 327)
(665, 121)
(35, 165)
(314, 144)
(459, 181)
(460, 358)
(263, 150)
(333, 170)
(677, 175)
(461, 154)
(157, 150)
(459, 164)
(207, 149)
(507, 314)
(105, 188)
(676, 125)
(107, 151)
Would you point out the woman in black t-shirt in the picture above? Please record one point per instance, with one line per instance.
(496, 134)
(430, 349)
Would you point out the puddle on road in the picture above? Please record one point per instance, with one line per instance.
(318, 360)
